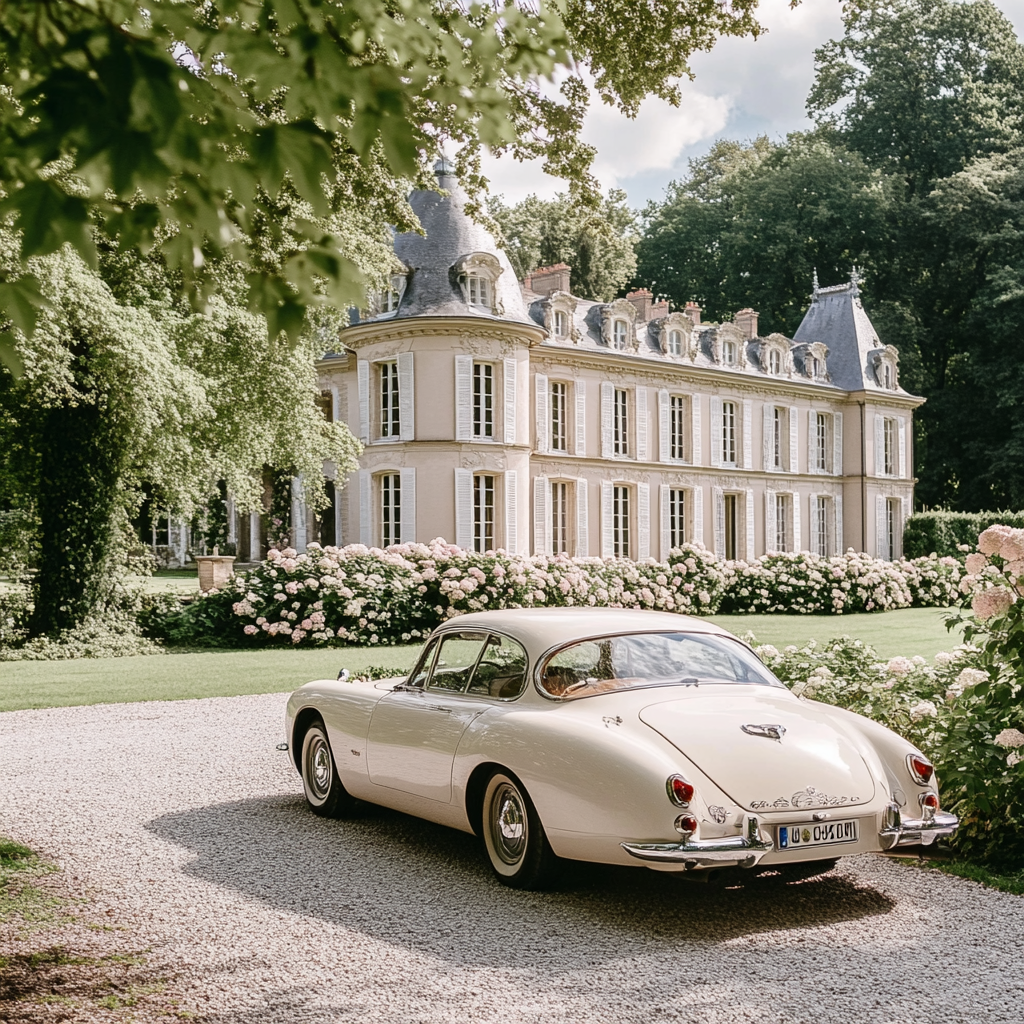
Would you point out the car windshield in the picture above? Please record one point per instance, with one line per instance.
(608, 663)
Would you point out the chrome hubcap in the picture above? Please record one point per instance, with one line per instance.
(508, 823)
(318, 767)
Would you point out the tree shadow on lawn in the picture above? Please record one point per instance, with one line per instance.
(415, 884)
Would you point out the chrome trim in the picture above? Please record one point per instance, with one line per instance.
(914, 775)
(745, 850)
(281, 746)
(917, 831)
(769, 731)
(671, 792)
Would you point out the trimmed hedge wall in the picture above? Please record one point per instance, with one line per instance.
(944, 532)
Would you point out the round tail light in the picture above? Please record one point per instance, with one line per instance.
(680, 792)
(921, 768)
(686, 824)
(929, 802)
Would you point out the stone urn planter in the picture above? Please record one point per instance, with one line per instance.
(214, 570)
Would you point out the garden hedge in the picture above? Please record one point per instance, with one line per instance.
(943, 533)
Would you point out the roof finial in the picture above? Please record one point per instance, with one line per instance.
(814, 284)
(855, 281)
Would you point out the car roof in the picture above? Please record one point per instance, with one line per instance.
(540, 629)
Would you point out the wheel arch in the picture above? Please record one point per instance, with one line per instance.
(476, 785)
(306, 717)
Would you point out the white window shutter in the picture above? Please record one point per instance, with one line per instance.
(837, 533)
(904, 516)
(407, 479)
(607, 398)
(582, 520)
(881, 539)
(770, 524)
(511, 512)
(750, 525)
(718, 499)
(299, 525)
(663, 511)
(541, 516)
(837, 443)
(463, 398)
(879, 445)
(363, 380)
(748, 434)
(580, 387)
(406, 398)
(794, 504)
(812, 442)
(901, 431)
(716, 436)
(337, 416)
(695, 438)
(794, 439)
(663, 426)
(540, 386)
(697, 533)
(641, 424)
(607, 534)
(365, 507)
(510, 401)
(768, 437)
(643, 521)
(464, 508)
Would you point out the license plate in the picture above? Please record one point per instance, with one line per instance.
(819, 833)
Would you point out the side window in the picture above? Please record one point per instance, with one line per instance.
(501, 671)
(455, 661)
(422, 669)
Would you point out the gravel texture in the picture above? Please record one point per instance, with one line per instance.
(186, 827)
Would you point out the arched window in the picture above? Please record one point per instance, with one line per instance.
(888, 376)
(619, 329)
(774, 362)
(729, 353)
(478, 290)
(561, 324)
(675, 343)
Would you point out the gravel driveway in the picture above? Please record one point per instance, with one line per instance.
(183, 820)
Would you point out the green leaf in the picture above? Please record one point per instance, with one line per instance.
(19, 300)
(9, 355)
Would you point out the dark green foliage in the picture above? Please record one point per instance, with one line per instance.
(945, 533)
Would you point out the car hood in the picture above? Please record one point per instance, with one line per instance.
(816, 763)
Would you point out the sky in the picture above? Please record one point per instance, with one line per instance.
(742, 88)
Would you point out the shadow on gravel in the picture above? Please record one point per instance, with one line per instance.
(415, 884)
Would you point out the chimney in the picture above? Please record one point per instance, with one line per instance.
(641, 299)
(693, 312)
(545, 280)
(659, 310)
(746, 321)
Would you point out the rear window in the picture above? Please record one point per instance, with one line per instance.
(608, 663)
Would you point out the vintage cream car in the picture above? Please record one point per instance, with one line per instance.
(621, 737)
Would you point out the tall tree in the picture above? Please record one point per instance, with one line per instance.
(597, 243)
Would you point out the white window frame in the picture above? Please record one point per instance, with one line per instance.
(621, 516)
(620, 334)
(675, 517)
(484, 506)
(560, 521)
(729, 441)
(821, 445)
(675, 343)
(389, 505)
(889, 444)
(820, 509)
(776, 449)
(774, 362)
(678, 415)
(478, 291)
(483, 401)
(620, 423)
(389, 399)
(729, 353)
(558, 403)
(783, 506)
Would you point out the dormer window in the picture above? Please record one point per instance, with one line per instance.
(385, 301)
(815, 366)
(479, 291)
(561, 323)
(620, 331)
(477, 274)
(675, 343)
(729, 353)
(774, 362)
(888, 376)
(886, 362)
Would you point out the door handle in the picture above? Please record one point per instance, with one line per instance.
(438, 707)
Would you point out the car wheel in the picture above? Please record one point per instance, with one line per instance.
(514, 838)
(325, 794)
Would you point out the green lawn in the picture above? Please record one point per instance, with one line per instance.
(43, 684)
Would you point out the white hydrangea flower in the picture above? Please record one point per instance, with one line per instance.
(1010, 738)
(944, 658)
(925, 709)
(1013, 758)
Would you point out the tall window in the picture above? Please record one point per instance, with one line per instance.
(559, 427)
(390, 509)
(731, 526)
(777, 440)
(820, 526)
(888, 376)
(889, 444)
(561, 324)
(892, 526)
(483, 513)
(774, 362)
(620, 424)
(559, 518)
(675, 343)
(676, 517)
(815, 366)
(820, 442)
(729, 433)
(729, 353)
(619, 334)
(479, 289)
(620, 522)
(677, 427)
(782, 522)
(390, 420)
(483, 400)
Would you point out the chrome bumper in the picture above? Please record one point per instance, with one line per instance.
(918, 831)
(744, 850)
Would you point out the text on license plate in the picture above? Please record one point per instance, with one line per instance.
(822, 833)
